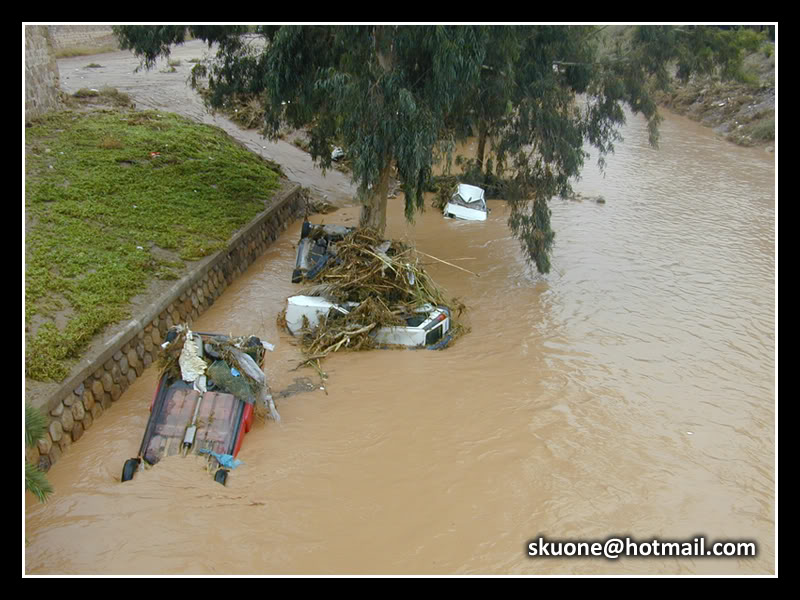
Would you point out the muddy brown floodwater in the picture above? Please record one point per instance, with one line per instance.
(631, 392)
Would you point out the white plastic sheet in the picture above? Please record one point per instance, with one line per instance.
(191, 362)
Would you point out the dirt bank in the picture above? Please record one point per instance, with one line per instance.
(743, 112)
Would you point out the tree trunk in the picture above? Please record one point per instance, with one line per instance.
(373, 211)
(482, 135)
(383, 47)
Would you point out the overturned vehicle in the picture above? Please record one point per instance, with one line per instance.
(427, 326)
(364, 292)
(205, 401)
(467, 202)
(317, 246)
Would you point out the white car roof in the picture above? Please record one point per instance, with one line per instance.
(470, 193)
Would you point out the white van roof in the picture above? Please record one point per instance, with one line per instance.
(470, 193)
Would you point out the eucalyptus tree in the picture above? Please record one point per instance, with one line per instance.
(546, 94)
(382, 92)
(385, 92)
(394, 95)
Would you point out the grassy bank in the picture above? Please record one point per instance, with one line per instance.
(742, 110)
(115, 199)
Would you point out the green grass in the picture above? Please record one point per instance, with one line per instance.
(760, 130)
(84, 51)
(763, 130)
(108, 196)
(106, 95)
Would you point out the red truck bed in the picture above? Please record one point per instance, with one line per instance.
(219, 421)
(222, 419)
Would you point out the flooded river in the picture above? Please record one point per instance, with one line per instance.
(631, 392)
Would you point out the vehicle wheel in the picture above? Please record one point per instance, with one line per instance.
(305, 230)
(297, 276)
(221, 476)
(129, 469)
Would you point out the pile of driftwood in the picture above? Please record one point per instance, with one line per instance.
(381, 282)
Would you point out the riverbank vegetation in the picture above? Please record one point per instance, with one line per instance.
(738, 100)
(84, 51)
(741, 109)
(115, 199)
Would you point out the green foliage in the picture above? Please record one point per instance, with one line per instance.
(35, 425)
(107, 95)
(83, 51)
(382, 92)
(154, 39)
(396, 95)
(36, 482)
(764, 130)
(35, 428)
(761, 129)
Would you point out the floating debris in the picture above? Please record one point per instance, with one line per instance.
(362, 290)
(231, 363)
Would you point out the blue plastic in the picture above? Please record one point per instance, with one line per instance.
(225, 460)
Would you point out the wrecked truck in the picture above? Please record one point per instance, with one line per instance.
(205, 400)
(365, 292)
(317, 247)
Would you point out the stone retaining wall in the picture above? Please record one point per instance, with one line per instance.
(65, 37)
(42, 43)
(108, 371)
(41, 73)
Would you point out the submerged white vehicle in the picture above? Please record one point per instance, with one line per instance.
(428, 327)
(469, 202)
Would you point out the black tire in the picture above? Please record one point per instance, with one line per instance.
(305, 230)
(297, 276)
(129, 469)
(221, 476)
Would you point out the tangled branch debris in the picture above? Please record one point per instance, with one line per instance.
(381, 282)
